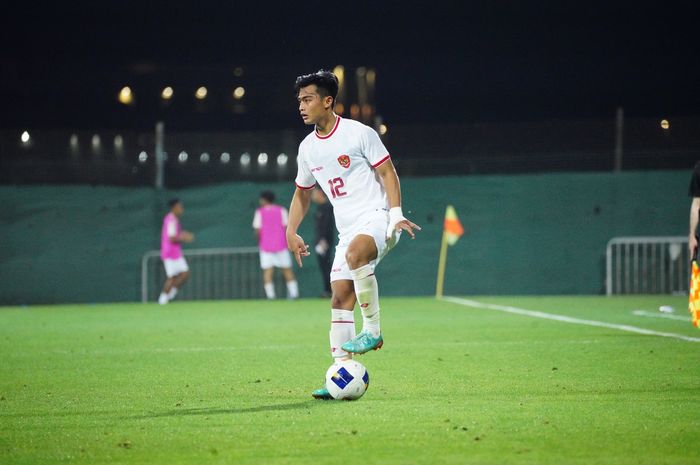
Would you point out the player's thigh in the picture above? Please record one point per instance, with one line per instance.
(343, 294)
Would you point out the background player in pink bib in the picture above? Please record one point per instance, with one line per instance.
(171, 238)
(350, 163)
(269, 222)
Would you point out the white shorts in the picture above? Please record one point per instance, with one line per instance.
(375, 226)
(281, 259)
(175, 266)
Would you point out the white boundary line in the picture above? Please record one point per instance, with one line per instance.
(567, 319)
(660, 315)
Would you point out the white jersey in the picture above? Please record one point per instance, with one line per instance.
(343, 164)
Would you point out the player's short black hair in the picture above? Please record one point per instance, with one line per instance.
(268, 195)
(325, 81)
(172, 202)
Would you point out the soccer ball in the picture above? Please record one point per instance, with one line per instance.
(347, 380)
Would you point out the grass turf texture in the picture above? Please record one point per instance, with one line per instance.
(230, 382)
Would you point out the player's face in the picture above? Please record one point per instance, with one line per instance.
(311, 106)
(178, 209)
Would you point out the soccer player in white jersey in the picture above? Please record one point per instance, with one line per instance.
(350, 163)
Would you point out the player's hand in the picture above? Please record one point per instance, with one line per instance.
(297, 246)
(186, 236)
(406, 225)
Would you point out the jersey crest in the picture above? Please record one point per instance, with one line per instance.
(344, 161)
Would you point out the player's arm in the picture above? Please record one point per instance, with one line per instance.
(392, 186)
(694, 214)
(176, 238)
(297, 211)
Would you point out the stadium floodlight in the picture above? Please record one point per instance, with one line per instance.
(96, 141)
(238, 92)
(245, 159)
(167, 93)
(201, 93)
(74, 141)
(225, 157)
(282, 159)
(25, 138)
(143, 157)
(126, 96)
(182, 157)
(118, 142)
(262, 159)
(383, 129)
(204, 158)
(665, 124)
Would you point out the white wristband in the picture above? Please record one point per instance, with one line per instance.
(395, 215)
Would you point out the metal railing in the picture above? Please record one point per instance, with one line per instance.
(647, 265)
(215, 274)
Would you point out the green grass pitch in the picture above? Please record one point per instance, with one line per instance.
(230, 382)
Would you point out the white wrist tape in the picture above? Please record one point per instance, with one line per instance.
(395, 215)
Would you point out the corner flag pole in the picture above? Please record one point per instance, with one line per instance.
(452, 230)
(441, 266)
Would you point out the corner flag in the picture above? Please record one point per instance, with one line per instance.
(452, 231)
(694, 296)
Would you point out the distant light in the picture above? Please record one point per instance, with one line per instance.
(665, 124)
(371, 77)
(74, 141)
(383, 129)
(245, 159)
(182, 158)
(118, 141)
(96, 141)
(238, 93)
(25, 138)
(201, 93)
(282, 159)
(238, 71)
(143, 157)
(339, 108)
(204, 158)
(225, 157)
(167, 93)
(126, 96)
(262, 159)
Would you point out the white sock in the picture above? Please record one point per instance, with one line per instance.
(367, 293)
(292, 289)
(270, 290)
(163, 299)
(172, 293)
(342, 330)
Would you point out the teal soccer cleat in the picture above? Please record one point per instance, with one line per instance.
(322, 394)
(363, 342)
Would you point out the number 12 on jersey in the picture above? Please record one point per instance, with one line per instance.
(335, 184)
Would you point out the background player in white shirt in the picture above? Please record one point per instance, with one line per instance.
(349, 162)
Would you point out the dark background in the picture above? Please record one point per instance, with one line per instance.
(63, 63)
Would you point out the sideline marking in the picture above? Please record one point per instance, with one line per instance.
(567, 319)
(660, 315)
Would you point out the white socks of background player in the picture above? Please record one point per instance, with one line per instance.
(367, 294)
(292, 289)
(269, 290)
(165, 298)
(342, 330)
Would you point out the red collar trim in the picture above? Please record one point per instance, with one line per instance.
(337, 122)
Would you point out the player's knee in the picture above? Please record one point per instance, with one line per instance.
(184, 276)
(342, 301)
(355, 258)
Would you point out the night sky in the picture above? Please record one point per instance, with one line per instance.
(436, 62)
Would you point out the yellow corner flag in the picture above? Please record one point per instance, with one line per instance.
(451, 233)
(694, 297)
